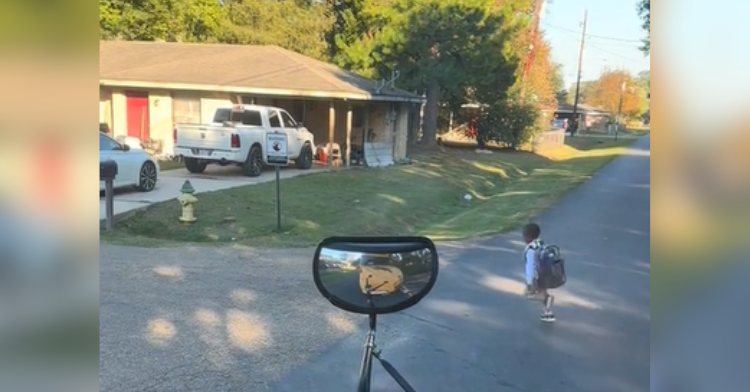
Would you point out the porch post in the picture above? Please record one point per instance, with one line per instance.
(366, 133)
(331, 127)
(348, 133)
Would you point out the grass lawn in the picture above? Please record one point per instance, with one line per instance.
(170, 165)
(630, 131)
(426, 197)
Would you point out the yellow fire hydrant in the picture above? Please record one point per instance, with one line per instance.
(187, 201)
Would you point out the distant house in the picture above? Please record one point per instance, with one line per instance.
(148, 87)
(589, 116)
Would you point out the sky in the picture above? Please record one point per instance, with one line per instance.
(613, 35)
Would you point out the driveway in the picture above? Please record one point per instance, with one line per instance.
(215, 178)
(238, 319)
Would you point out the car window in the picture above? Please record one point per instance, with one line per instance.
(108, 144)
(222, 115)
(274, 119)
(288, 120)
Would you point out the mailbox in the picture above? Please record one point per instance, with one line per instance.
(107, 170)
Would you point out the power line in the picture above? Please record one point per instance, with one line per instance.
(614, 54)
(600, 49)
(593, 35)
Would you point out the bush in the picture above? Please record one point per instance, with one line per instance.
(508, 124)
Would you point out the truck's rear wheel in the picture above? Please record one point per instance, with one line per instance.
(305, 158)
(253, 165)
(195, 166)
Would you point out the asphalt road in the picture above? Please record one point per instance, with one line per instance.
(476, 333)
(236, 319)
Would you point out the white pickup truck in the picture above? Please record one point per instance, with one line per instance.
(238, 135)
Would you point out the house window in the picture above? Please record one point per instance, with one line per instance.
(186, 110)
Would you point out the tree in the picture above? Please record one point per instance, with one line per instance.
(297, 25)
(584, 92)
(644, 11)
(509, 124)
(608, 90)
(543, 79)
(558, 83)
(644, 80)
(348, 27)
(165, 20)
(449, 50)
(290, 24)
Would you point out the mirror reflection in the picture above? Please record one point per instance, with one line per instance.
(375, 280)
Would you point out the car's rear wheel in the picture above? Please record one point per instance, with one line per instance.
(195, 166)
(253, 165)
(305, 158)
(147, 177)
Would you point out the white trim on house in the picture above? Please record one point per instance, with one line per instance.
(258, 91)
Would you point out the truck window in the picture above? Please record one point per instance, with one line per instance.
(288, 120)
(274, 119)
(248, 117)
(222, 115)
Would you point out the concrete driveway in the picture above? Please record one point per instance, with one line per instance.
(215, 178)
(238, 319)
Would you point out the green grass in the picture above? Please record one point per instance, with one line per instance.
(629, 131)
(170, 165)
(426, 197)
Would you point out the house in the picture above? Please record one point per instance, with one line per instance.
(148, 87)
(588, 115)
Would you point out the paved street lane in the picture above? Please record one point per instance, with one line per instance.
(476, 333)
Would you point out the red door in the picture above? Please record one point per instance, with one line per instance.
(137, 109)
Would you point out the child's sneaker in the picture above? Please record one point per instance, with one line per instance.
(548, 317)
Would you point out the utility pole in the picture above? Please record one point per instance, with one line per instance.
(578, 80)
(535, 18)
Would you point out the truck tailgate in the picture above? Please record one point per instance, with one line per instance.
(204, 137)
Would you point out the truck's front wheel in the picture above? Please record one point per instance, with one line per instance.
(195, 166)
(253, 165)
(305, 158)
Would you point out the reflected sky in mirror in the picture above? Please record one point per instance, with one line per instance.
(374, 279)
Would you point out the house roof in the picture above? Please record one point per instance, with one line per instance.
(582, 108)
(250, 69)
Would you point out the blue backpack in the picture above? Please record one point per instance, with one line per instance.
(550, 266)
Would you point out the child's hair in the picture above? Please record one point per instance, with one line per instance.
(531, 230)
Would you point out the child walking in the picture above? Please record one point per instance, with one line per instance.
(534, 286)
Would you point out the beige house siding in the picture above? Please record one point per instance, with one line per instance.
(119, 113)
(160, 119)
(105, 107)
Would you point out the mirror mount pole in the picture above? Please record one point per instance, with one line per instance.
(365, 374)
(372, 351)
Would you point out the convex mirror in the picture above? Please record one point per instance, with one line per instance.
(375, 275)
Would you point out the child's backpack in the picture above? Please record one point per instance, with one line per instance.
(551, 266)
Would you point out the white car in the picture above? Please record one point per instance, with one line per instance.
(135, 167)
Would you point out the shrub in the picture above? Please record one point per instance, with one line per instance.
(508, 124)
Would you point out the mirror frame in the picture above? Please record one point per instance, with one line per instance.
(361, 244)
